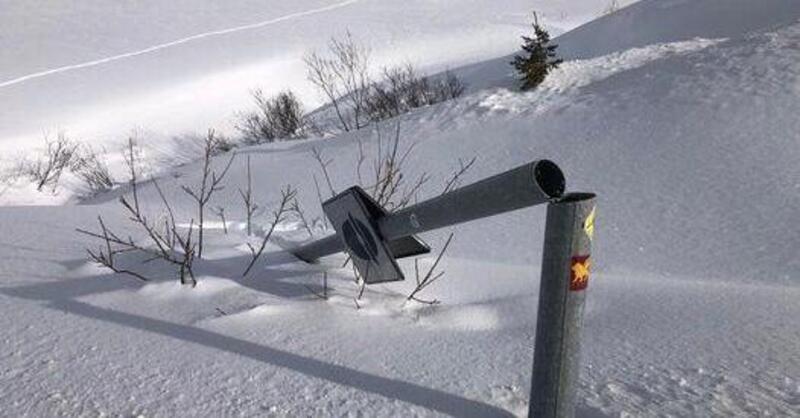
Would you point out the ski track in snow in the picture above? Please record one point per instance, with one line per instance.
(181, 41)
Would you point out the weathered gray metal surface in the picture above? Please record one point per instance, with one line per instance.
(565, 278)
(350, 214)
(403, 247)
(320, 248)
(528, 185)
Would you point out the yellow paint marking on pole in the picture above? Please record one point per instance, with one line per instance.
(588, 224)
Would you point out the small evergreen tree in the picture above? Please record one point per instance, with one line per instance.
(541, 57)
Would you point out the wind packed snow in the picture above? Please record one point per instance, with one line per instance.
(680, 115)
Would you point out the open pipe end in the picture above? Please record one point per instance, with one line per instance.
(549, 178)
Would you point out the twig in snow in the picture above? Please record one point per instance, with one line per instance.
(324, 294)
(286, 196)
(163, 244)
(323, 164)
(455, 179)
(210, 183)
(295, 207)
(430, 277)
(220, 211)
(250, 207)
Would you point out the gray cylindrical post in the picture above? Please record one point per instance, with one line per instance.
(565, 277)
(527, 185)
(313, 251)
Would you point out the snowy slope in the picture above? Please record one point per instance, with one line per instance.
(99, 69)
(652, 21)
(691, 144)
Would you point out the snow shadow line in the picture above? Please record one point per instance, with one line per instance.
(411, 393)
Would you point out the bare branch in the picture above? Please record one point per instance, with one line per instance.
(323, 164)
(94, 171)
(163, 245)
(295, 208)
(59, 155)
(131, 155)
(250, 207)
(390, 188)
(430, 277)
(343, 78)
(455, 179)
(210, 183)
(220, 212)
(319, 197)
(171, 220)
(106, 258)
(279, 117)
(287, 195)
(402, 89)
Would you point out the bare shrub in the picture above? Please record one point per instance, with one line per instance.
(59, 155)
(388, 184)
(210, 183)
(342, 76)
(278, 117)
(93, 171)
(451, 87)
(390, 187)
(403, 89)
(389, 98)
(164, 240)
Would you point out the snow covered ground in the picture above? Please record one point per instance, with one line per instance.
(687, 132)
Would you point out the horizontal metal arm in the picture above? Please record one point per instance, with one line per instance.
(528, 185)
(322, 247)
(531, 184)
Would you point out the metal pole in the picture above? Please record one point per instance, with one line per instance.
(313, 251)
(528, 185)
(565, 277)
